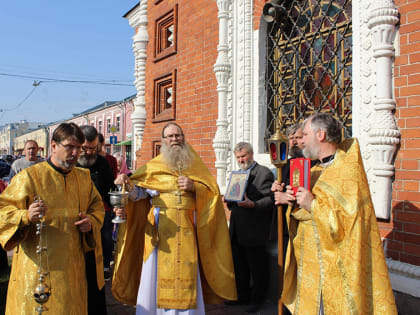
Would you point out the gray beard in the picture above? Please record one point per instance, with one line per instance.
(67, 166)
(176, 156)
(87, 161)
(311, 152)
(245, 166)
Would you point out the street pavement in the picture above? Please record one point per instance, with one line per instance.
(116, 308)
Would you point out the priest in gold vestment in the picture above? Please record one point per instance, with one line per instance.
(335, 262)
(73, 214)
(175, 248)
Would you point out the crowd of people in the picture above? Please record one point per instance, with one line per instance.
(177, 252)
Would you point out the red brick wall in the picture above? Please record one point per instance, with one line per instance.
(403, 233)
(258, 9)
(196, 95)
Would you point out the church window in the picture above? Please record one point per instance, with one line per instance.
(309, 63)
(166, 34)
(164, 100)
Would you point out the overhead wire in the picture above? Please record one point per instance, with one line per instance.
(3, 111)
(52, 73)
(53, 80)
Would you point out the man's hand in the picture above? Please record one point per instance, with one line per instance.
(277, 186)
(122, 179)
(35, 209)
(282, 198)
(304, 198)
(247, 203)
(120, 212)
(184, 183)
(84, 224)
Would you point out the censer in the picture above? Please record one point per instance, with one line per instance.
(119, 199)
(42, 290)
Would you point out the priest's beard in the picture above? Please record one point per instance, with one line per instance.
(311, 151)
(87, 160)
(176, 155)
(295, 152)
(67, 165)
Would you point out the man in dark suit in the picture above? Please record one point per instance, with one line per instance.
(249, 230)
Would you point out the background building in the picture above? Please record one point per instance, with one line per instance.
(10, 131)
(110, 119)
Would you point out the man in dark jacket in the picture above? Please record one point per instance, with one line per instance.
(102, 177)
(249, 229)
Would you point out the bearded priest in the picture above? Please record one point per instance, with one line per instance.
(174, 252)
(72, 213)
(335, 262)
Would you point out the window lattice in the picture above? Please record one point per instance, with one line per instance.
(309, 63)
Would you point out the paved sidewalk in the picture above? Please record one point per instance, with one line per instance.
(116, 308)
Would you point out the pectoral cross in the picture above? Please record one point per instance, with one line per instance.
(179, 192)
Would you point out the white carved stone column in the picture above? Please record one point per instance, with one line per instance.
(384, 135)
(138, 20)
(222, 70)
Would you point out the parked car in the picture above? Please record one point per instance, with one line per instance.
(4, 169)
(7, 157)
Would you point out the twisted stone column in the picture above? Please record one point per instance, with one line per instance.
(138, 20)
(222, 69)
(384, 134)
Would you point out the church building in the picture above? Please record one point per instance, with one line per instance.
(234, 70)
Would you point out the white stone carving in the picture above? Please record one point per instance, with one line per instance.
(222, 70)
(242, 70)
(138, 20)
(363, 83)
(169, 99)
(404, 277)
(384, 134)
(171, 35)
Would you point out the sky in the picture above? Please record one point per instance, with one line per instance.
(78, 40)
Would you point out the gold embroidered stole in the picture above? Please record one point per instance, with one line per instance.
(176, 249)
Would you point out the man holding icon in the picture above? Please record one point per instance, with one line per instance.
(249, 228)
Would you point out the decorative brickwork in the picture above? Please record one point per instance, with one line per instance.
(166, 33)
(403, 232)
(196, 85)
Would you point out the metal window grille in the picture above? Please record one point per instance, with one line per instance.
(309, 63)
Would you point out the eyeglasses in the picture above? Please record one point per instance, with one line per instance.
(70, 147)
(174, 136)
(85, 148)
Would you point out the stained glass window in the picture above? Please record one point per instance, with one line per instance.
(309, 63)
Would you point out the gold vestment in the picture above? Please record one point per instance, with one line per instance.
(181, 244)
(335, 250)
(65, 197)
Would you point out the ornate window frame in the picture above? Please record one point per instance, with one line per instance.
(164, 93)
(374, 27)
(164, 34)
